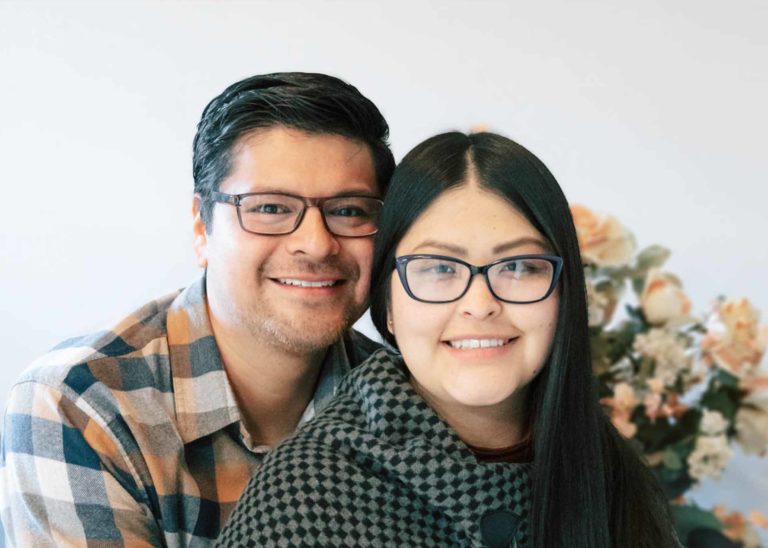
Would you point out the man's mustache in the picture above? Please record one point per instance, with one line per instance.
(333, 268)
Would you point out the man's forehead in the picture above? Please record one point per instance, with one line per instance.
(280, 159)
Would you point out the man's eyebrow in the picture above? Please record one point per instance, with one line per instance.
(501, 248)
(357, 192)
(352, 191)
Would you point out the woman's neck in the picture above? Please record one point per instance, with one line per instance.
(492, 426)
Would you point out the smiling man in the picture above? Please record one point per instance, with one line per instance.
(146, 434)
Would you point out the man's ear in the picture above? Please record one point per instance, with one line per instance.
(200, 244)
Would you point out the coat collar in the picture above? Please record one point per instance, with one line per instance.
(204, 399)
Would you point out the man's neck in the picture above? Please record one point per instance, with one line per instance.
(273, 387)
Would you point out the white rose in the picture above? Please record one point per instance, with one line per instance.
(713, 423)
(752, 425)
(710, 457)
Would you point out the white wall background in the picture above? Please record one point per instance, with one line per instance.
(652, 111)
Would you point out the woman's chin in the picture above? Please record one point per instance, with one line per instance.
(480, 396)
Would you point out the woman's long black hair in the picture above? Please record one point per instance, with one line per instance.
(589, 487)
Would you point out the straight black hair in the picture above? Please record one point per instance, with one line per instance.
(590, 488)
(314, 103)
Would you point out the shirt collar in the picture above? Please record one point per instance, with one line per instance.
(204, 399)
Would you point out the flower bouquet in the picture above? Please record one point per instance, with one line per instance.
(683, 388)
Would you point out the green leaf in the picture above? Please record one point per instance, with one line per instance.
(636, 315)
(663, 434)
(674, 279)
(604, 285)
(689, 517)
(638, 284)
(722, 398)
(674, 483)
(672, 460)
(726, 379)
(670, 476)
(652, 257)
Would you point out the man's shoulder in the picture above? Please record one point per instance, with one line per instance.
(137, 341)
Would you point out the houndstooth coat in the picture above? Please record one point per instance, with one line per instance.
(378, 467)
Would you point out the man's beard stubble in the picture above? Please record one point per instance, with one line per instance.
(300, 337)
(304, 335)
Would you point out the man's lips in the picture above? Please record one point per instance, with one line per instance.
(309, 283)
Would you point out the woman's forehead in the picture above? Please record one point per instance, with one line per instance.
(470, 217)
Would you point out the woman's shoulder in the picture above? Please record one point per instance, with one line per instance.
(383, 365)
(347, 418)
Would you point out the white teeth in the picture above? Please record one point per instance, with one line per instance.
(478, 343)
(305, 283)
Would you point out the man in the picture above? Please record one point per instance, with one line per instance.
(146, 434)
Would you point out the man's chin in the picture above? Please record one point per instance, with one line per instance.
(309, 334)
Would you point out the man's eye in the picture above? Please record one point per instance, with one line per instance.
(269, 209)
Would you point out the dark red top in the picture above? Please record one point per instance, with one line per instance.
(520, 452)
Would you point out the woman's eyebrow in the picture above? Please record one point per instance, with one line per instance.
(501, 248)
(506, 246)
(445, 246)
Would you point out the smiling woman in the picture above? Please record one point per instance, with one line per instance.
(481, 425)
(459, 333)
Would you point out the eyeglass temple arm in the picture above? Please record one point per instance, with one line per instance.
(226, 198)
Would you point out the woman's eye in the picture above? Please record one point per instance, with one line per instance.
(525, 267)
(439, 269)
(348, 211)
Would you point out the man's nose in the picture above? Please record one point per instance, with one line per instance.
(311, 237)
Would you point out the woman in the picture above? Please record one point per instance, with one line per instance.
(485, 427)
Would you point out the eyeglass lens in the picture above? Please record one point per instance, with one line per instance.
(279, 214)
(519, 280)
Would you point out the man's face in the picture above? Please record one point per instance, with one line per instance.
(257, 284)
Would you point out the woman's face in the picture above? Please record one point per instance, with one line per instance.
(436, 340)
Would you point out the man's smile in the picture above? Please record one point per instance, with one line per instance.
(308, 283)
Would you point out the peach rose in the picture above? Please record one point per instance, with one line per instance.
(663, 299)
(758, 518)
(660, 404)
(602, 239)
(653, 402)
(737, 528)
(734, 340)
(600, 305)
(621, 404)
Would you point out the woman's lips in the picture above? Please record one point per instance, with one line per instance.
(471, 343)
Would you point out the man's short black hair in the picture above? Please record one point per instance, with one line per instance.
(314, 103)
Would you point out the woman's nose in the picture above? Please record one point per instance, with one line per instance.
(478, 302)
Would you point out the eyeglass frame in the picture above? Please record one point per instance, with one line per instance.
(402, 262)
(235, 199)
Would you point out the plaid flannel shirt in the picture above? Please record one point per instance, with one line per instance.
(132, 437)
